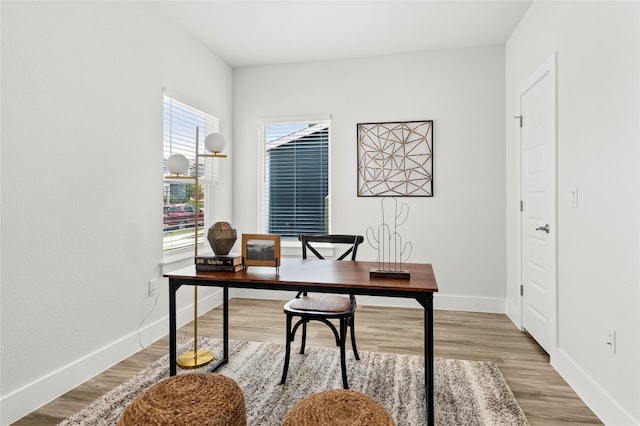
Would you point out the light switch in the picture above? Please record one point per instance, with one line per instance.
(573, 196)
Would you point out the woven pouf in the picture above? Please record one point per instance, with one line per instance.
(338, 407)
(188, 399)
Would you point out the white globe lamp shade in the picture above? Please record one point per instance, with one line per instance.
(178, 164)
(214, 142)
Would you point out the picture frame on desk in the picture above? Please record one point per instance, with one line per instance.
(261, 250)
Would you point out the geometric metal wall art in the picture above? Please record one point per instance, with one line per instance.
(395, 159)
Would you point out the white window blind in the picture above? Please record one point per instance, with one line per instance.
(296, 178)
(180, 123)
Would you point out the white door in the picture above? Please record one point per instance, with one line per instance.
(537, 138)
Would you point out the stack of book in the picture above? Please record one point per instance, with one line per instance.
(229, 263)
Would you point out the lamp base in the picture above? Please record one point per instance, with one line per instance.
(195, 359)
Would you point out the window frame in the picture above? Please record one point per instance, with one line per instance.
(263, 213)
(207, 174)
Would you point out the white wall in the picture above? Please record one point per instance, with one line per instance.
(81, 120)
(82, 86)
(460, 230)
(598, 255)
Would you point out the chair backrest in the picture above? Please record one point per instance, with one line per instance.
(352, 241)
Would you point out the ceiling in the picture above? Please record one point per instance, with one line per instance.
(248, 33)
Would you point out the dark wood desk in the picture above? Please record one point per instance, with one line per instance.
(323, 276)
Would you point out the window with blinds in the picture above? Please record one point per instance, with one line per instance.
(296, 178)
(180, 205)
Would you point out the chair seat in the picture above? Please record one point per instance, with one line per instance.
(324, 308)
(320, 303)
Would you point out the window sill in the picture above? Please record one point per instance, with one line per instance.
(182, 258)
(288, 248)
(293, 248)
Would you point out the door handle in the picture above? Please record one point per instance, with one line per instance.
(543, 228)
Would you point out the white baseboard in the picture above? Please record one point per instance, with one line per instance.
(492, 305)
(513, 312)
(599, 401)
(247, 293)
(34, 395)
(440, 301)
(38, 393)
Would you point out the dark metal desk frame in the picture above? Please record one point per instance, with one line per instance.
(323, 276)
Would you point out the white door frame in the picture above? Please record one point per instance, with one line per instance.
(548, 70)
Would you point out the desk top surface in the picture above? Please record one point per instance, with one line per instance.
(321, 273)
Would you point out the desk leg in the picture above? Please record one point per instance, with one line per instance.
(428, 358)
(225, 324)
(173, 347)
(427, 303)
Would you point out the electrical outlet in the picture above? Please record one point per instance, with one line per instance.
(611, 339)
(153, 287)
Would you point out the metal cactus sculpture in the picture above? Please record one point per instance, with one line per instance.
(387, 241)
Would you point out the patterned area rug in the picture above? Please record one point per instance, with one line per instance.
(467, 392)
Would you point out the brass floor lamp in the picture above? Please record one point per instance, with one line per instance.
(178, 166)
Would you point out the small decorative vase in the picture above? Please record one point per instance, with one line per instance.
(221, 237)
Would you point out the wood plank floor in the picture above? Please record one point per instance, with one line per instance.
(543, 395)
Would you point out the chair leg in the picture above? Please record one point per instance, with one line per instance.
(352, 324)
(343, 361)
(304, 336)
(287, 351)
(341, 339)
